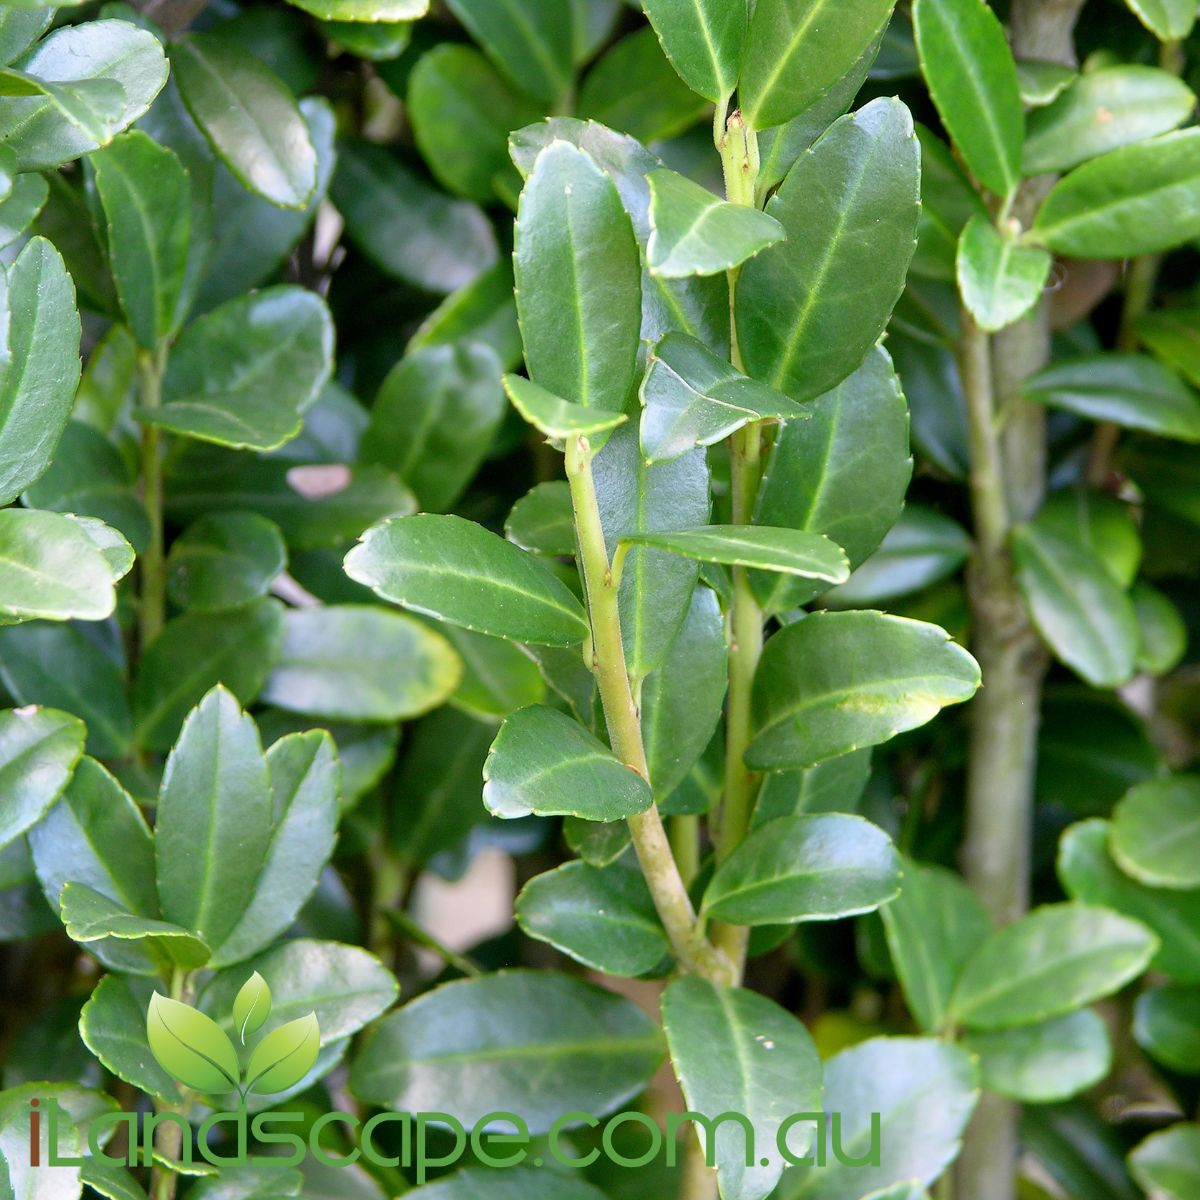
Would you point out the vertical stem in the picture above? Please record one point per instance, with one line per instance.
(153, 573)
(684, 832)
(168, 1137)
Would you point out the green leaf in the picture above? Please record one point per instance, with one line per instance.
(91, 106)
(512, 1183)
(1043, 82)
(948, 201)
(543, 521)
(110, 1180)
(1170, 334)
(40, 369)
(251, 1006)
(691, 397)
(1168, 20)
(1132, 390)
(1167, 1164)
(244, 374)
(105, 55)
(54, 568)
(532, 1042)
(284, 1056)
(364, 11)
(213, 825)
(555, 417)
(21, 207)
(574, 246)
(497, 676)
(248, 116)
(835, 785)
(635, 497)
(483, 310)
(146, 196)
(195, 652)
(456, 571)
(973, 80)
(598, 843)
(1103, 110)
(461, 112)
(1137, 200)
(112, 1026)
(360, 663)
(836, 681)
(407, 228)
(933, 927)
(843, 473)
(435, 418)
(1039, 1064)
(1166, 1024)
(532, 45)
(1155, 835)
(709, 1027)
(1057, 958)
(1083, 614)
(797, 50)
(39, 748)
(20, 28)
(544, 762)
(1101, 523)
(91, 916)
(681, 701)
(806, 868)
(810, 310)
(923, 1091)
(703, 41)
(1000, 279)
(224, 560)
(96, 835)
(1164, 635)
(790, 551)
(305, 782)
(604, 919)
(191, 1047)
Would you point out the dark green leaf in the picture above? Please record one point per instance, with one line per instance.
(39, 748)
(834, 785)
(543, 521)
(1171, 335)
(703, 40)
(1166, 1024)
(533, 49)
(224, 560)
(90, 916)
(790, 551)
(497, 676)
(483, 310)
(948, 201)
(112, 1026)
(512, 1183)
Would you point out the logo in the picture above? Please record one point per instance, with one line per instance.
(195, 1051)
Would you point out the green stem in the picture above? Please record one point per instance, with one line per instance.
(168, 1137)
(684, 832)
(418, 933)
(671, 899)
(153, 602)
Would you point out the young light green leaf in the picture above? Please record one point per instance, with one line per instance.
(555, 417)
(790, 551)
(703, 41)
(1155, 835)
(224, 560)
(810, 310)
(806, 868)
(574, 245)
(1057, 958)
(284, 1056)
(456, 571)
(797, 50)
(836, 681)
(39, 748)
(251, 1006)
(779, 1073)
(973, 80)
(91, 916)
(1167, 1164)
(1137, 200)
(191, 1047)
(1043, 82)
(1166, 1024)
(1168, 20)
(534, 50)
(1000, 280)
(543, 762)
(691, 397)
(248, 116)
(604, 919)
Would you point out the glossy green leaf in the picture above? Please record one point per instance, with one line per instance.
(1169, 20)
(483, 310)
(248, 116)
(1166, 1024)
(810, 309)
(790, 551)
(146, 196)
(1053, 960)
(542, 521)
(21, 207)
(604, 919)
(1164, 636)
(543, 762)
(797, 49)
(1155, 835)
(251, 1006)
(284, 1056)
(948, 201)
(498, 677)
(577, 281)
(1105, 109)
(933, 927)
(364, 11)
(1103, 524)
(691, 397)
(1137, 200)
(805, 868)
(91, 916)
(555, 417)
(459, 572)
(703, 41)
(213, 824)
(973, 80)
(191, 1047)
(381, 41)
(1079, 609)
(709, 1026)
(360, 663)
(534, 51)
(244, 374)
(1167, 1164)
(532, 1042)
(39, 748)
(224, 560)
(20, 28)
(39, 371)
(835, 785)
(598, 843)
(1000, 279)
(1039, 1064)
(195, 652)
(112, 1026)
(836, 681)
(512, 1183)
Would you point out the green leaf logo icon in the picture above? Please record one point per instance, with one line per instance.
(191, 1047)
(252, 1006)
(284, 1056)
